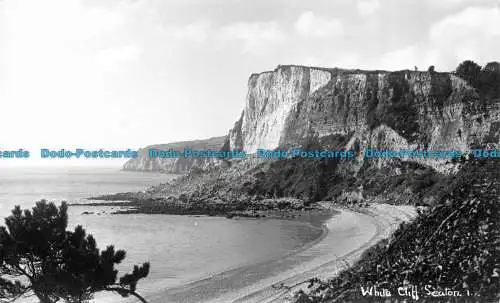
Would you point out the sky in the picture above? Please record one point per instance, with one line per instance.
(121, 74)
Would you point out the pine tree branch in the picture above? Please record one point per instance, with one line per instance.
(121, 290)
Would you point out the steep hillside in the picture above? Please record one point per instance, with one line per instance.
(449, 253)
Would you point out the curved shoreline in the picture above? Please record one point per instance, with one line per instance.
(383, 217)
(346, 235)
(206, 288)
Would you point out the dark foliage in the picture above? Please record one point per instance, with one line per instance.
(486, 81)
(441, 88)
(490, 82)
(308, 179)
(399, 112)
(38, 255)
(470, 71)
(454, 244)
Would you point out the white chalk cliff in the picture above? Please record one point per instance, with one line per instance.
(381, 109)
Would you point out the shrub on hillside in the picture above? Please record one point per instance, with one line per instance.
(470, 71)
(490, 82)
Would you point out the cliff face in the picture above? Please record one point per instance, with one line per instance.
(292, 105)
(174, 165)
(405, 109)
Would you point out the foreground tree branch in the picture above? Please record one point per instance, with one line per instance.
(39, 256)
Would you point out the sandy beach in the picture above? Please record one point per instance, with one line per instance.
(347, 235)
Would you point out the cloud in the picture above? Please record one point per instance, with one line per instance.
(254, 35)
(347, 60)
(111, 59)
(368, 7)
(403, 58)
(55, 33)
(339, 59)
(310, 61)
(471, 33)
(447, 4)
(63, 20)
(251, 36)
(196, 32)
(60, 52)
(474, 20)
(308, 24)
(409, 57)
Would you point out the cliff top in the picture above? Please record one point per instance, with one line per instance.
(338, 71)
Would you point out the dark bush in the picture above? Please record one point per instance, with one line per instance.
(490, 82)
(470, 71)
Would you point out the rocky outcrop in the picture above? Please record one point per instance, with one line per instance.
(405, 109)
(174, 165)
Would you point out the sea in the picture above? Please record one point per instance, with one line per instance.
(180, 249)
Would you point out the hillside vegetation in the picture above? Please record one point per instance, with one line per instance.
(454, 244)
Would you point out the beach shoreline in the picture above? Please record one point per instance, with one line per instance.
(347, 234)
(312, 222)
(378, 221)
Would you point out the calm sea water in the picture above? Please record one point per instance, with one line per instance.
(180, 248)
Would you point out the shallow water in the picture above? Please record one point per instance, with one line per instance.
(180, 248)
